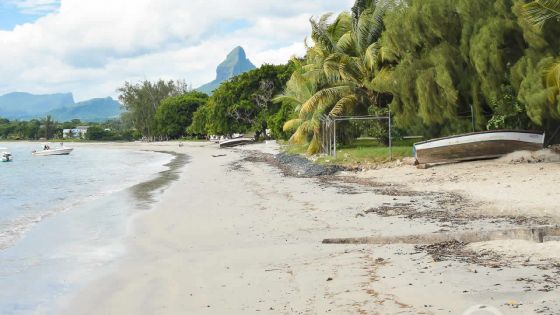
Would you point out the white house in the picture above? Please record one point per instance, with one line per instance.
(78, 132)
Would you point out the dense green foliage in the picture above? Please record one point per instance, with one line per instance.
(451, 55)
(39, 129)
(244, 103)
(175, 113)
(141, 101)
(438, 65)
(20, 130)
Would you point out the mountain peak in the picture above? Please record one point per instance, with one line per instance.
(238, 53)
(235, 63)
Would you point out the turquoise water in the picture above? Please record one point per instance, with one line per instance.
(62, 220)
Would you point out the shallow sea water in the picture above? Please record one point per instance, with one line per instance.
(63, 218)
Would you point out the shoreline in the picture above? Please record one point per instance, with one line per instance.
(71, 247)
(236, 235)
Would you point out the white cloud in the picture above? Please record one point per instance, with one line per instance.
(90, 47)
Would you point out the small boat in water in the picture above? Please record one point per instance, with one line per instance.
(235, 142)
(477, 146)
(48, 151)
(6, 156)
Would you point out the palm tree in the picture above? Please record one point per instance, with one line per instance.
(306, 127)
(340, 69)
(310, 76)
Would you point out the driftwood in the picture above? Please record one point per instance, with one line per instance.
(536, 234)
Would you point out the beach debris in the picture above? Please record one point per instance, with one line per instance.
(512, 303)
(329, 279)
(535, 234)
(218, 155)
(541, 156)
(293, 165)
(423, 166)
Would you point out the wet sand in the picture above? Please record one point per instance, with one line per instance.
(237, 235)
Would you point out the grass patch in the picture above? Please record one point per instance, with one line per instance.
(366, 155)
(368, 151)
(359, 152)
(294, 148)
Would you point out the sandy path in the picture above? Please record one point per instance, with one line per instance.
(235, 237)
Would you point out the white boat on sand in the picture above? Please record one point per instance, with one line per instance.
(235, 142)
(477, 145)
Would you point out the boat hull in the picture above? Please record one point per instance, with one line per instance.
(235, 142)
(53, 152)
(476, 146)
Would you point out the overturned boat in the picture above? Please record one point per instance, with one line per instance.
(477, 146)
(235, 142)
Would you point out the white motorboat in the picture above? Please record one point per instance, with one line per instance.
(57, 151)
(6, 156)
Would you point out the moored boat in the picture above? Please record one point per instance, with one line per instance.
(235, 142)
(6, 156)
(58, 151)
(477, 145)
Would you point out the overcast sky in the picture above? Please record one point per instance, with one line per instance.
(90, 47)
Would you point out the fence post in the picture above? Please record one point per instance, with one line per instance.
(334, 137)
(323, 134)
(390, 138)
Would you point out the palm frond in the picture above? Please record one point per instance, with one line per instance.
(373, 56)
(350, 69)
(286, 99)
(299, 136)
(331, 67)
(369, 27)
(341, 25)
(538, 12)
(314, 145)
(344, 105)
(346, 43)
(325, 96)
(292, 124)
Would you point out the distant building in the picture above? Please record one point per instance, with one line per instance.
(76, 133)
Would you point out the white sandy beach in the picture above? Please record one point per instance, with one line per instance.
(238, 237)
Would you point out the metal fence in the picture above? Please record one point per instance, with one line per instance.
(328, 131)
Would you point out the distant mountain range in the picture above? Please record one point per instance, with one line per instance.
(235, 64)
(61, 107)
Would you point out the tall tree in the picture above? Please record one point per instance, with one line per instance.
(141, 101)
(175, 113)
(455, 59)
(244, 103)
(48, 125)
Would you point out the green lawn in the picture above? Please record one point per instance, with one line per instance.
(361, 152)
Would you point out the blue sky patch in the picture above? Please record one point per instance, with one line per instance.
(13, 13)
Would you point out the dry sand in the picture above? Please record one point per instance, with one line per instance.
(232, 236)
